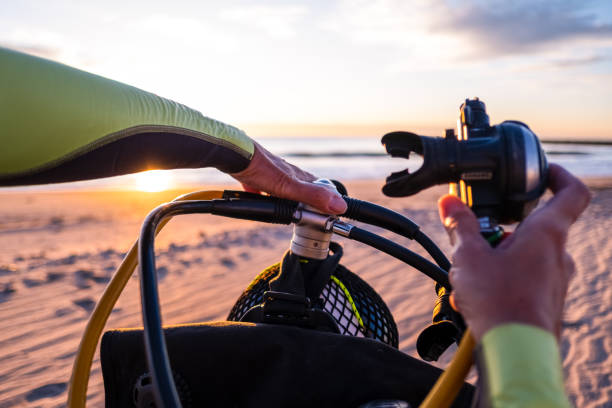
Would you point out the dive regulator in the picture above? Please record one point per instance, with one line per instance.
(500, 171)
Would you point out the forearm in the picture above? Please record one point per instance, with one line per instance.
(520, 366)
(63, 124)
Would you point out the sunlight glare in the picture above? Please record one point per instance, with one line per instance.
(153, 181)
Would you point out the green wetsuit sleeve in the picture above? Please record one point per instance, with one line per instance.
(520, 366)
(61, 124)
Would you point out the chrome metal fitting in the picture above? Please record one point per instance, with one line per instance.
(313, 230)
(342, 228)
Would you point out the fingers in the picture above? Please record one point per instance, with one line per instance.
(271, 174)
(459, 221)
(571, 196)
(322, 198)
(552, 221)
(250, 189)
(453, 302)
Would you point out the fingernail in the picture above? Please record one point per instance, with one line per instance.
(450, 206)
(337, 204)
(448, 222)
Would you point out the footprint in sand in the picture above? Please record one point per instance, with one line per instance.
(7, 270)
(597, 351)
(64, 311)
(84, 276)
(6, 291)
(46, 391)
(177, 248)
(86, 303)
(227, 262)
(31, 283)
(108, 253)
(110, 268)
(55, 276)
(162, 272)
(69, 260)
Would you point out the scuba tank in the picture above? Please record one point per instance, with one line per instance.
(310, 288)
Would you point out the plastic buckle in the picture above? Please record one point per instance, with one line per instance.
(289, 309)
(272, 296)
(286, 308)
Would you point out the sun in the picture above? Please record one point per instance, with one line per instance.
(153, 181)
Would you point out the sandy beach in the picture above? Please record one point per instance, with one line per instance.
(59, 250)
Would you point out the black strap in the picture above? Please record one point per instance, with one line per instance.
(306, 277)
(289, 299)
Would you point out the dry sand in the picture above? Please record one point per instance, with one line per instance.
(58, 250)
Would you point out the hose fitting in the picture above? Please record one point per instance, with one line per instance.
(313, 231)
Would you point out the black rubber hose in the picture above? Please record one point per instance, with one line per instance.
(379, 216)
(397, 251)
(155, 344)
(433, 250)
(267, 210)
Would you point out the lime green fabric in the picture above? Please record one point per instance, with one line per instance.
(49, 111)
(522, 367)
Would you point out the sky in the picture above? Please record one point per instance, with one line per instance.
(342, 68)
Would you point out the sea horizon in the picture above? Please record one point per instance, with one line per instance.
(345, 159)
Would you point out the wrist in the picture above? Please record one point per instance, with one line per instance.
(485, 323)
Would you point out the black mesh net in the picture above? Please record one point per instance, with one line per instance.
(355, 306)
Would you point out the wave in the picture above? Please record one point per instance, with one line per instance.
(377, 154)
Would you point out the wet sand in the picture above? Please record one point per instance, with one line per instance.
(59, 250)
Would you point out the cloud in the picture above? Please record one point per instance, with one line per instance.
(438, 31)
(574, 62)
(503, 27)
(276, 21)
(563, 62)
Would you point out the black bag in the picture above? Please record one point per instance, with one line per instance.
(233, 364)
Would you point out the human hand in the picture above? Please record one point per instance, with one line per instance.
(273, 175)
(525, 278)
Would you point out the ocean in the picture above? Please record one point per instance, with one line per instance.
(345, 159)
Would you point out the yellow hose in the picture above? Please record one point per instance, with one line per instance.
(77, 391)
(450, 382)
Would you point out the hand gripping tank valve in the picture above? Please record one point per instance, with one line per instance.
(312, 233)
(296, 283)
(311, 289)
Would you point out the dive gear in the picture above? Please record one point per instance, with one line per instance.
(355, 307)
(234, 364)
(500, 170)
(265, 209)
(312, 233)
